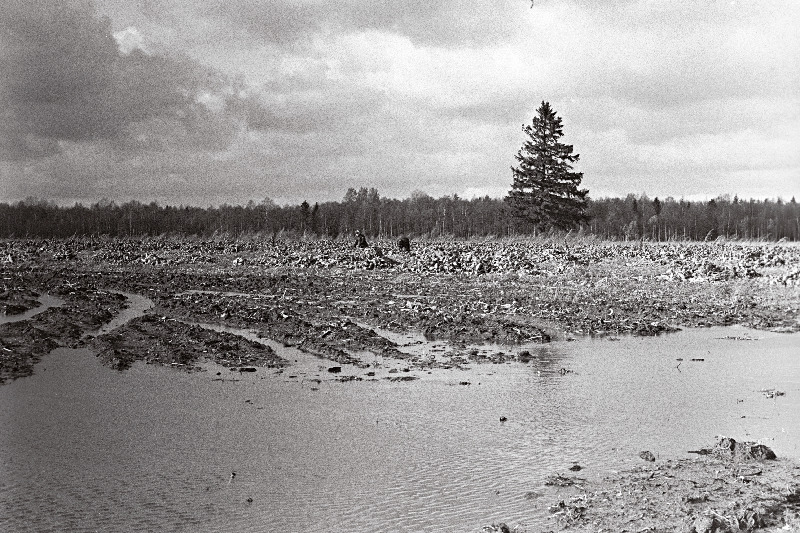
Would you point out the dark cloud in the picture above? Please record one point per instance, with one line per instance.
(64, 79)
(57, 63)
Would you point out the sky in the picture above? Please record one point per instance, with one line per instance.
(205, 102)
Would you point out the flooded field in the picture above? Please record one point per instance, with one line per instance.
(187, 385)
(153, 448)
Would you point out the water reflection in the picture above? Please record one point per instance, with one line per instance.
(152, 448)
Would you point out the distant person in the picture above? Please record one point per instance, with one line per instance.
(361, 241)
(404, 244)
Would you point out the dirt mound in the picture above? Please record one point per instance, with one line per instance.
(732, 486)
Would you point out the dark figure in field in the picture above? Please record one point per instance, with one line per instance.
(404, 244)
(361, 241)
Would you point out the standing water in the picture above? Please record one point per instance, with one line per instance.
(87, 448)
(46, 302)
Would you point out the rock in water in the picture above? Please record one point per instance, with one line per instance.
(762, 452)
(728, 448)
(647, 456)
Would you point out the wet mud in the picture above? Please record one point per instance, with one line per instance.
(159, 340)
(23, 343)
(337, 308)
(724, 489)
(16, 301)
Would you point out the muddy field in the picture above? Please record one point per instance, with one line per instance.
(731, 486)
(331, 300)
(326, 297)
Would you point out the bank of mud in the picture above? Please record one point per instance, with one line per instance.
(159, 340)
(23, 343)
(730, 486)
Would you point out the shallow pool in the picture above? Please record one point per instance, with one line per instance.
(86, 448)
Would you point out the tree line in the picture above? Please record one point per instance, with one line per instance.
(629, 218)
(544, 197)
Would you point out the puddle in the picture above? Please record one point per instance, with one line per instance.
(153, 448)
(46, 302)
(136, 306)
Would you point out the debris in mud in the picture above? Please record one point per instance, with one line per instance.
(728, 448)
(737, 338)
(562, 481)
(401, 378)
(570, 511)
(772, 393)
(734, 487)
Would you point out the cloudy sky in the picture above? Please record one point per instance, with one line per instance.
(222, 101)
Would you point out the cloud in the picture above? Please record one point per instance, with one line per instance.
(130, 39)
(66, 78)
(57, 64)
(192, 100)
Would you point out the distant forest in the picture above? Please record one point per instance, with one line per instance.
(629, 218)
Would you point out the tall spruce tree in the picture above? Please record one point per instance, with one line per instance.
(545, 191)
